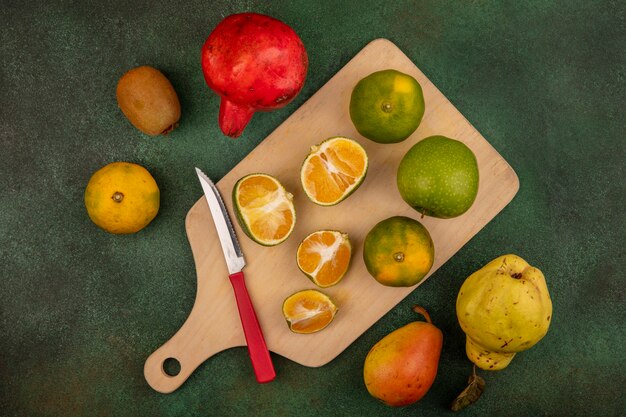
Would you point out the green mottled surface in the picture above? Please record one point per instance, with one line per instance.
(80, 310)
(439, 177)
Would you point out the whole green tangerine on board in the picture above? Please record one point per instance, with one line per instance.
(439, 177)
(387, 106)
(398, 252)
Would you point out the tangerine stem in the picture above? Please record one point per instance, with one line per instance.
(421, 310)
(117, 197)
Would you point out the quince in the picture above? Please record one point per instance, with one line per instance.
(503, 308)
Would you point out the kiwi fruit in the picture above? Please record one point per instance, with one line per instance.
(148, 100)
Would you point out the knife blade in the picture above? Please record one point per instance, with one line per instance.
(259, 354)
(228, 239)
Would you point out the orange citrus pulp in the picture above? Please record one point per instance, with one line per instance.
(308, 311)
(333, 170)
(264, 209)
(324, 257)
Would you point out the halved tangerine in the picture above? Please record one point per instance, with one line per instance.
(264, 209)
(324, 257)
(308, 311)
(333, 170)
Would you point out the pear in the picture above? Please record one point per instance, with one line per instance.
(503, 308)
(400, 369)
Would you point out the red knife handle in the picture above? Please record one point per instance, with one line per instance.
(260, 356)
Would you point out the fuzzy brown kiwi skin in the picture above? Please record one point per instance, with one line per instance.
(148, 100)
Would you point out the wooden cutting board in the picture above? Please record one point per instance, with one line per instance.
(272, 274)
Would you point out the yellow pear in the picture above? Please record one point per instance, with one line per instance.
(503, 308)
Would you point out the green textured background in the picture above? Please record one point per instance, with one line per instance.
(81, 310)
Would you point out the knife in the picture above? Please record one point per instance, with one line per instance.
(259, 355)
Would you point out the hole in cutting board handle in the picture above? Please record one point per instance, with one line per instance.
(171, 367)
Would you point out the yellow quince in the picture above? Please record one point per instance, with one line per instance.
(503, 308)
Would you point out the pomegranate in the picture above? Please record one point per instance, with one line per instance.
(255, 63)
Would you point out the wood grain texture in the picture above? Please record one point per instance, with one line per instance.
(272, 274)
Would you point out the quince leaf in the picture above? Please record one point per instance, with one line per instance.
(471, 394)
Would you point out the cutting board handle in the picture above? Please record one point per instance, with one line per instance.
(198, 339)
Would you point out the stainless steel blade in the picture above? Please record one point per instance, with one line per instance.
(228, 239)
